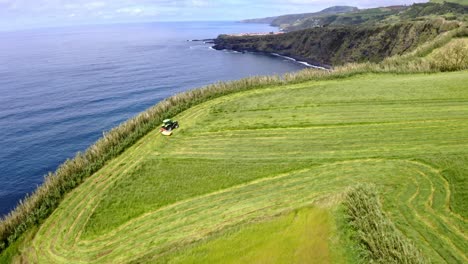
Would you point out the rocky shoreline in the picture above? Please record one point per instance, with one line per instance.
(206, 41)
(220, 43)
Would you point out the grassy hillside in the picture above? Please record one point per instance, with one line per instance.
(338, 46)
(249, 156)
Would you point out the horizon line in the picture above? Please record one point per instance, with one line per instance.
(19, 29)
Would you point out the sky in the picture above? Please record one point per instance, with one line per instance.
(22, 14)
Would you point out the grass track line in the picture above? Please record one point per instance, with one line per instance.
(429, 221)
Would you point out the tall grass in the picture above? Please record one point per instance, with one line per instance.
(381, 240)
(35, 208)
(452, 57)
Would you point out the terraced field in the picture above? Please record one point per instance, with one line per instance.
(256, 154)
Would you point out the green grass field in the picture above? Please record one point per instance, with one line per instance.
(243, 165)
(284, 239)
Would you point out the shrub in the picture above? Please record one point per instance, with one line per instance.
(452, 57)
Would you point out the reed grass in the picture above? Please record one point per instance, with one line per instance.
(35, 208)
(381, 241)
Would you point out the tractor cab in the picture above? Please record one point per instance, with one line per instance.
(168, 125)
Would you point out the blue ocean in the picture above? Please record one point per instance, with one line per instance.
(61, 88)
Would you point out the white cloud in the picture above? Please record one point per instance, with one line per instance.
(199, 3)
(94, 5)
(54, 12)
(130, 10)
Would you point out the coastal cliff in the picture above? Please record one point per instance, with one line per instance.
(332, 46)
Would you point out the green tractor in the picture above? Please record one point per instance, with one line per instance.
(167, 127)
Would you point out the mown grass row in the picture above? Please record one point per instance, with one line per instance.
(381, 240)
(34, 209)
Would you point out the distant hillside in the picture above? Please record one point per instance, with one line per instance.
(385, 15)
(355, 36)
(339, 45)
(265, 20)
(347, 16)
(434, 9)
(462, 2)
(278, 21)
(365, 16)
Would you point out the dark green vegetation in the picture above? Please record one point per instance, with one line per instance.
(382, 241)
(255, 154)
(338, 46)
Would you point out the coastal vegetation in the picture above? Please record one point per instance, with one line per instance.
(304, 137)
(337, 46)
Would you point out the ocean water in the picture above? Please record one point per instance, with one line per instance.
(61, 88)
